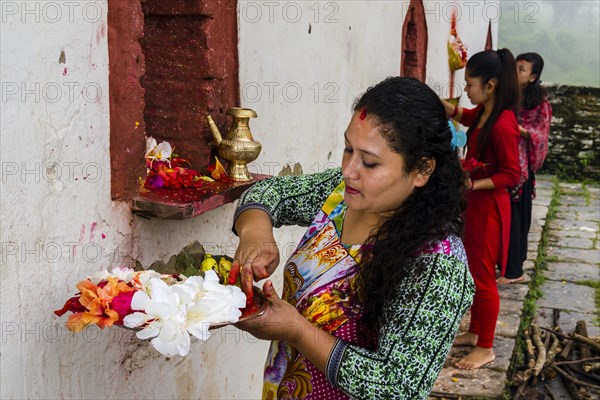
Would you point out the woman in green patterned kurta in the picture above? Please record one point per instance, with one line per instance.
(376, 289)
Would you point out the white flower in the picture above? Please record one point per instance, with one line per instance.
(150, 145)
(164, 318)
(169, 314)
(161, 152)
(215, 304)
(173, 339)
(141, 279)
(121, 273)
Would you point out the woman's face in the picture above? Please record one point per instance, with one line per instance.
(524, 74)
(374, 174)
(477, 91)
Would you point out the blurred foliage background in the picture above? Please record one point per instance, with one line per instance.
(565, 33)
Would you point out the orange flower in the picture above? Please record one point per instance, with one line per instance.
(97, 301)
(218, 171)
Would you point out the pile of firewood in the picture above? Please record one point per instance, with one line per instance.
(550, 354)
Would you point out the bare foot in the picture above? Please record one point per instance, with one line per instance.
(466, 339)
(476, 359)
(507, 281)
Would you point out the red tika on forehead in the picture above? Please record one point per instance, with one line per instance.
(363, 114)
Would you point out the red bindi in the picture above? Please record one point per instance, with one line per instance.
(363, 114)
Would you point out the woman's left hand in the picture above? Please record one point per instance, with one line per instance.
(280, 321)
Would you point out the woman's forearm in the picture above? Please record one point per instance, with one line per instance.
(483, 184)
(314, 343)
(254, 220)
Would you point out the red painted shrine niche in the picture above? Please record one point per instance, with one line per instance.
(171, 64)
(414, 42)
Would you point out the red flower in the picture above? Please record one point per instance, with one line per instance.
(471, 164)
(122, 305)
(171, 173)
(72, 305)
(180, 162)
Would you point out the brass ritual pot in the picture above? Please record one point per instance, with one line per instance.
(238, 147)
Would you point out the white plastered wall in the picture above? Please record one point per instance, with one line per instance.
(58, 221)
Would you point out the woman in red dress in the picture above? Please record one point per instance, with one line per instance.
(493, 136)
(534, 126)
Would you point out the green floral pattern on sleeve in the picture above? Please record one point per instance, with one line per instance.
(290, 200)
(421, 323)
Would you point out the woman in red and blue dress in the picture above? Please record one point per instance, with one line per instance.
(492, 139)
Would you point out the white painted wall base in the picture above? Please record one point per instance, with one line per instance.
(58, 221)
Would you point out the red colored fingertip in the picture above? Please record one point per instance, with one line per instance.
(268, 289)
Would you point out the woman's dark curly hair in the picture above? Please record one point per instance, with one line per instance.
(412, 119)
(534, 93)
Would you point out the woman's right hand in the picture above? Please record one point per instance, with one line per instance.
(257, 252)
(469, 184)
(452, 111)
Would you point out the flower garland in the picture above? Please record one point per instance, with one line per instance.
(169, 309)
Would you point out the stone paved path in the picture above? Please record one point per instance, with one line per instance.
(573, 258)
